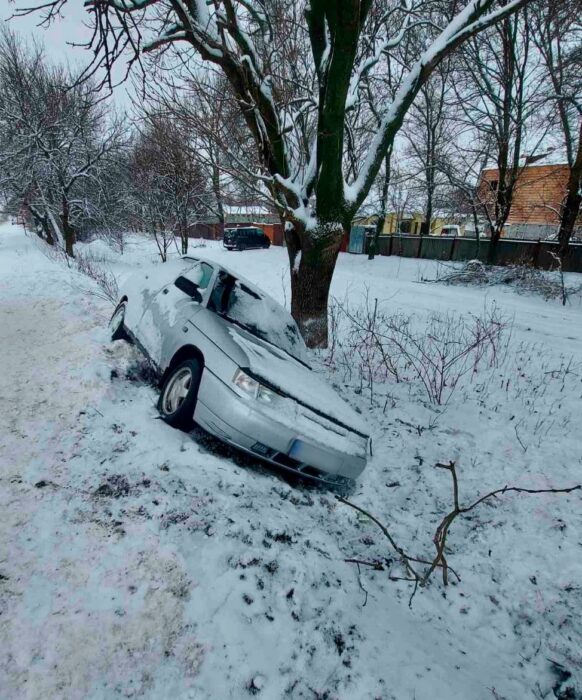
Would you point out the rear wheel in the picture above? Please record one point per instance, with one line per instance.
(179, 393)
(117, 323)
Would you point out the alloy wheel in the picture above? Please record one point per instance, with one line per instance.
(177, 390)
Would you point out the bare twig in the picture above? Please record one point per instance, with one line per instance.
(421, 579)
(442, 530)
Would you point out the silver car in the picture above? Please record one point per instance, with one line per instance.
(233, 361)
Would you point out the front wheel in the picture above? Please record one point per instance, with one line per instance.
(179, 393)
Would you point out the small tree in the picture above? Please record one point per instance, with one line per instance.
(53, 134)
(168, 190)
(430, 135)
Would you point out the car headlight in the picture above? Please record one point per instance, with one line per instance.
(254, 389)
(246, 384)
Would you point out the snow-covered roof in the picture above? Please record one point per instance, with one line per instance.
(244, 210)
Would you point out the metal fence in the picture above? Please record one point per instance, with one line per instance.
(509, 251)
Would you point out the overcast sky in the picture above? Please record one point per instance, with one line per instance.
(71, 28)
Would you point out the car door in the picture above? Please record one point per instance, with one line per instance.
(161, 327)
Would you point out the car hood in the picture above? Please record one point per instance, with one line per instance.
(285, 374)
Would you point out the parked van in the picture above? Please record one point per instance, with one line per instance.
(451, 230)
(245, 237)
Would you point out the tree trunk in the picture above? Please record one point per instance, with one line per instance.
(492, 252)
(215, 178)
(41, 226)
(572, 201)
(373, 245)
(495, 236)
(373, 249)
(311, 273)
(68, 230)
(477, 232)
(184, 237)
(429, 199)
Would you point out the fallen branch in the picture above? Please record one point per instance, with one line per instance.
(440, 536)
(444, 526)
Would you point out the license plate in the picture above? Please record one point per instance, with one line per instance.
(314, 456)
(297, 450)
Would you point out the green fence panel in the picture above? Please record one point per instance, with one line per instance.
(434, 248)
(573, 262)
(546, 260)
(409, 246)
(509, 252)
(384, 245)
(516, 252)
(466, 249)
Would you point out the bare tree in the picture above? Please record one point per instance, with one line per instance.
(557, 34)
(168, 191)
(463, 167)
(200, 103)
(430, 135)
(108, 201)
(53, 135)
(500, 97)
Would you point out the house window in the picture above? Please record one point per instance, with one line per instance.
(493, 185)
(405, 226)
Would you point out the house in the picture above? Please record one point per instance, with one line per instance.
(408, 223)
(538, 195)
(401, 222)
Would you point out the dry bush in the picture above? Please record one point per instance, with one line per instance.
(525, 279)
(97, 269)
(438, 349)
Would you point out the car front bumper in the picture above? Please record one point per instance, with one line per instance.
(245, 424)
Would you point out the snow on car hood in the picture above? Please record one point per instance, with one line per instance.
(292, 378)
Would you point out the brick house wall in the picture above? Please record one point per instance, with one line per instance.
(538, 194)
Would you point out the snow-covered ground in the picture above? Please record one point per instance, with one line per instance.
(137, 561)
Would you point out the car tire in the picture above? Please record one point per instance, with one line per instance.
(179, 394)
(117, 323)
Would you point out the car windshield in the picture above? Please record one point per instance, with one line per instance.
(258, 314)
(200, 273)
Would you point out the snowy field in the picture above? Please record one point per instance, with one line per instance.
(137, 561)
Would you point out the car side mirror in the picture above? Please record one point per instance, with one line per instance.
(188, 287)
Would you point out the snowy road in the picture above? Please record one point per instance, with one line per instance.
(136, 561)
